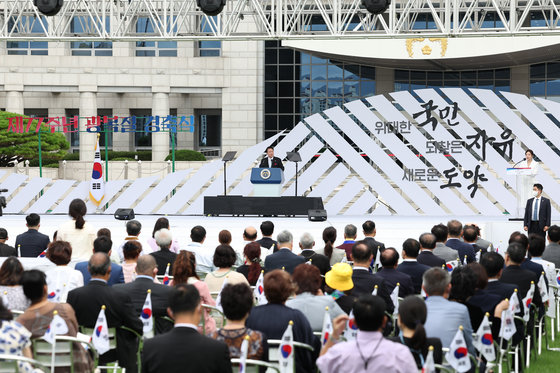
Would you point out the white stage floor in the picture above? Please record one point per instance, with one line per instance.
(391, 230)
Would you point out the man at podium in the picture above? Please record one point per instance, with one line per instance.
(270, 161)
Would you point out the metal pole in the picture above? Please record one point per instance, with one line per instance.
(40, 156)
(106, 154)
(296, 177)
(173, 150)
(225, 163)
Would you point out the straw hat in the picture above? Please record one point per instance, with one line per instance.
(340, 277)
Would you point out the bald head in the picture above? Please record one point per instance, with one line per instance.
(250, 234)
(99, 266)
(146, 265)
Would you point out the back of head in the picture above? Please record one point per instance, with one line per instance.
(306, 241)
(520, 238)
(184, 299)
(277, 286)
(102, 244)
(59, 252)
(411, 248)
(145, 265)
(253, 253)
(284, 237)
(99, 265)
(236, 301)
(454, 228)
(361, 254)
(350, 231)
(536, 245)
(3, 234)
(413, 314)
(33, 220)
(428, 241)
(554, 233)
(463, 284)
(184, 267)
(224, 237)
(329, 236)
(33, 283)
(267, 228)
(133, 227)
(10, 272)
(441, 232)
(516, 253)
(160, 223)
(368, 227)
(493, 263)
(250, 233)
(77, 210)
(469, 234)
(435, 281)
(307, 279)
(198, 233)
(224, 256)
(389, 257)
(104, 232)
(369, 312)
(480, 273)
(163, 238)
(132, 249)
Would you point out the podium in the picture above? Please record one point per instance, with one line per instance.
(267, 182)
(522, 176)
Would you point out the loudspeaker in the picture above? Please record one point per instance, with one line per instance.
(317, 215)
(124, 214)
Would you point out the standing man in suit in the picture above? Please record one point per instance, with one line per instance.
(369, 233)
(427, 243)
(350, 234)
(102, 244)
(267, 229)
(444, 252)
(410, 265)
(455, 229)
(6, 250)
(270, 161)
(537, 212)
(146, 271)
(183, 349)
(389, 261)
(87, 302)
(32, 243)
(306, 243)
(552, 251)
(283, 258)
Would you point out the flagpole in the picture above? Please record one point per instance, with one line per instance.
(55, 312)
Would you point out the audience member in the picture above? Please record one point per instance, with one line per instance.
(369, 238)
(335, 255)
(249, 235)
(224, 237)
(306, 244)
(470, 236)
(6, 250)
(267, 229)
(309, 299)
(102, 244)
(162, 223)
(494, 265)
(516, 275)
(482, 298)
(79, 233)
(444, 252)
(146, 271)
(164, 256)
(16, 339)
(536, 250)
(455, 232)
(463, 287)
(410, 265)
(183, 348)
(237, 301)
(389, 273)
(370, 352)
(427, 242)
(529, 265)
(10, 284)
(133, 230)
(350, 234)
(481, 242)
(87, 302)
(204, 255)
(104, 232)
(252, 267)
(283, 258)
(131, 252)
(32, 243)
(62, 278)
(411, 320)
(552, 251)
(339, 286)
(273, 318)
(224, 259)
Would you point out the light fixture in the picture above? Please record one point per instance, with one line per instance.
(48, 7)
(376, 6)
(211, 7)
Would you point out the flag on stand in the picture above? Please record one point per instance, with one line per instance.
(484, 342)
(5, 299)
(219, 297)
(259, 290)
(243, 356)
(429, 365)
(97, 185)
(375, 290)
(100, 336)
(514, 302)
(351, 330)
(527, 302)
(507, 329)
(395, 298)
(450, 266)
(43, 254)
(551, 310)
(286, 350)
(166, 275)
(327, 330)
(543, 289)
(57, 327)
(458, 354)
(377, 262)
(146, 316)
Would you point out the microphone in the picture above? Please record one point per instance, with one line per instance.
(524, 159)
(3, 190)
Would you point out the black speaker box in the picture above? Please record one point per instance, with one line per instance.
(124, 214)
(317, 215)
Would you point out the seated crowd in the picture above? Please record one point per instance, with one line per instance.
(355, 283)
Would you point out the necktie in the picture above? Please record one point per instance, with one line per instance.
(270, 162)
(536, 210)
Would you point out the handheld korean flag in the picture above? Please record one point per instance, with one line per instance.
(429, 365)
(450, 266)
(43, 254)
(100, 336)
(5, 299)
(309, 262)
(219, 297)
(54, 295)
(97, 185)
(375, 290)
(551, 310)
(57, 327)
(395, 298)
(166, 275)
(146, 316)
(478, 256)
(286, 350)
(514, 302)
(543, 290)
(507, 329)
(327, 330)
(377, 262)
(527, 302)
(259, 290)
(243, 357)
(351, 330)
(458, 354)
(484, 342)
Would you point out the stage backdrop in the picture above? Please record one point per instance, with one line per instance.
(426, 152)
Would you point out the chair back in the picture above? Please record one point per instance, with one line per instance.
(215, 313)
(63, 349)
(15, 363)
(252, 366)
(274, 345)
(111, 331)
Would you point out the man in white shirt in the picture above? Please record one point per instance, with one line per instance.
(204, 256)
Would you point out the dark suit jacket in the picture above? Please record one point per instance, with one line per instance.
(536, 268)
(373, 245)
(364, 283)
(267, 242)
(392, 276)
(162, 258)
(521, 278)
(137, 291)
(117, 276)
(544, 213)
(347, 246)
(276, 163)
(87, 302)
(32, 242)
(283, 258)
(429, 259)
(501, 289)
(7, 250)
(318, 260)
(486, 300)
(184, 350)
(415, 270)
(463, 249)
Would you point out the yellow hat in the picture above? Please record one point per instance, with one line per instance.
(340, 277)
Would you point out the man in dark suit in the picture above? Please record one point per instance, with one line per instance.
(32, 243)
(454, 241)
(552, 251)
(6, 250)
(389, 261)
(306, 243)
(514, 274)
(267, 229)
(102, 244)
(427, 243)
(523, 240)
(270, 161)
(87, 302)
(146, 271)
(183, 349)
(470, 236)
(537, 213)
(369, 233)
(410, 265)
(283, 258)
(350, 234)
(494, 263)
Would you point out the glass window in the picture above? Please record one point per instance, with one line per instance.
(28, 25)
(144, 25)
(210, 130)
(83, 26)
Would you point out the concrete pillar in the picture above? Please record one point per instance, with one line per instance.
(160, 140)
(88, 108)
(122, 141)
(520, 77)
(14, 102)
(185, 140)
(384, 80)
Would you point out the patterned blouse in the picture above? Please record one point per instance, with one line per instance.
(15, 297)
(258, 348)
(13, 339)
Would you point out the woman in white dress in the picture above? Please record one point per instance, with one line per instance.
(79, 233)
(529, 180)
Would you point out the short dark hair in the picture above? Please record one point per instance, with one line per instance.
(369, 312)
(454, 228)
(368, 227)
(198, 233)
(101, 268)
(33, 283)
(278, 286)
(250, 236)
(389, 257)
(307, 279)
(554, 233)
(59, 252)
(530, 151)
(133, 227)
(428, 241)
(267, 228)
(492, 262)
(469, 233)
(224, 237)
(516, 252)
(236, 301)
(480, 273)
(184, 298)
(224, 256)
(463, 284)
(102, 244)
(132, 249)
(411, 247)
(440, 231)
(520, 238)
(269, 147)
(10, 272)
(33, 219)
(361, 252)
(539, 186)
(104, 232)
(536, 245)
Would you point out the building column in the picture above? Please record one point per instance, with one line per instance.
(160, 140)
(384, 80)
(186, 140)
(122, 141)
(520, 80)
(88, 108)
(14, 102)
